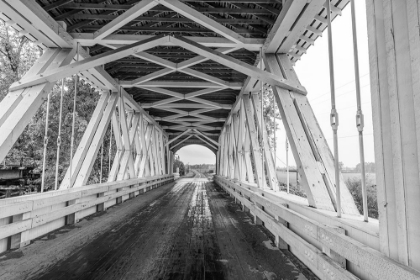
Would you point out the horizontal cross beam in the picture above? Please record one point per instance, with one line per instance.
(86, 64)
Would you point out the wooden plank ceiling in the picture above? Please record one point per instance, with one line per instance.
(153, 78)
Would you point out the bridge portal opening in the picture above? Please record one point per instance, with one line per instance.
(197, 157)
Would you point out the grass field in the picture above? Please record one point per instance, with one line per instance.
(370, 177)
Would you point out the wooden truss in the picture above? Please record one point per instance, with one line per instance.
(140, 145)
(143, 147)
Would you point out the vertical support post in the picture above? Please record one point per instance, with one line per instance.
(287, 167)
(359, 113)
(76, 88)
(20, 239)
(334, 114)
(332, 254)
(280, 243)
(394, 60)
(60, 116)
(44, 159)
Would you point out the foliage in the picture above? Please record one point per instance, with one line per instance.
(355, 187)
(369, 167)
(17, 55)
(179, 164)
(271, 115)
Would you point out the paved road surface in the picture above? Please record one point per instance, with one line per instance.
(187, 230)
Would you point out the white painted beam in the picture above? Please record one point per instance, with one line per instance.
(180, 84)
(201, 19)
(238, 65)
(86, 39)
(74, 68)
(129, 15)
(209, 139)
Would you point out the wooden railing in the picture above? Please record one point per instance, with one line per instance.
(25, 218)
(321, 242)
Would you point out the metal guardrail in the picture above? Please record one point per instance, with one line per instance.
(322, 247)
(25, 218)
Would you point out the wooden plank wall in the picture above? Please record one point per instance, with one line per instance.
(25, 218)
(332, 248)
(394, 50)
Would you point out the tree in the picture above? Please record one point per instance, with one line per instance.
(271, 114)
(179, 164)
(369, 167)
(17, 55)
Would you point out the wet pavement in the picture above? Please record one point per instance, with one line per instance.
(193, 230)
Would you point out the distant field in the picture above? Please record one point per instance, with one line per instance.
(370, 177)
(282, 177)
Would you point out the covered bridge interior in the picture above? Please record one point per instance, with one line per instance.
(172, 73)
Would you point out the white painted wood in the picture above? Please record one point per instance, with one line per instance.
(201, 19)
(255, 147)
(313, 183)
(89, 159)
(86, 39)
(206, 141)
(181, 84)
(237, 65)
(85, 143)
(132, 13)
(17, 120)
(318, 142)
(268, 156)
(65, 71)
(40, 23)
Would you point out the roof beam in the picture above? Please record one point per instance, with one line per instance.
(201, 19)
(181, 84)
(185, 132)
(171, 119)
(87, 39)
(206, 133)
(119, 7)
(129, 15)
(37, 22)
(86, 64)
(181, 141)
(189, 105)
(238, 65)
(207, 142)
(178, 67)
(283, 24)
(209, 139)
(165, 19)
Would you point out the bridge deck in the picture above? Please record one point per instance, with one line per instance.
(188, 230)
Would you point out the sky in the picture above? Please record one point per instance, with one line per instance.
(313, 72)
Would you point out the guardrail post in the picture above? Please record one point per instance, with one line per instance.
(101, 206)
(132, 194)
(280, 243)
(72, 218)
(20, 239)
(257, 220)
(332, 254)
(119, 199)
